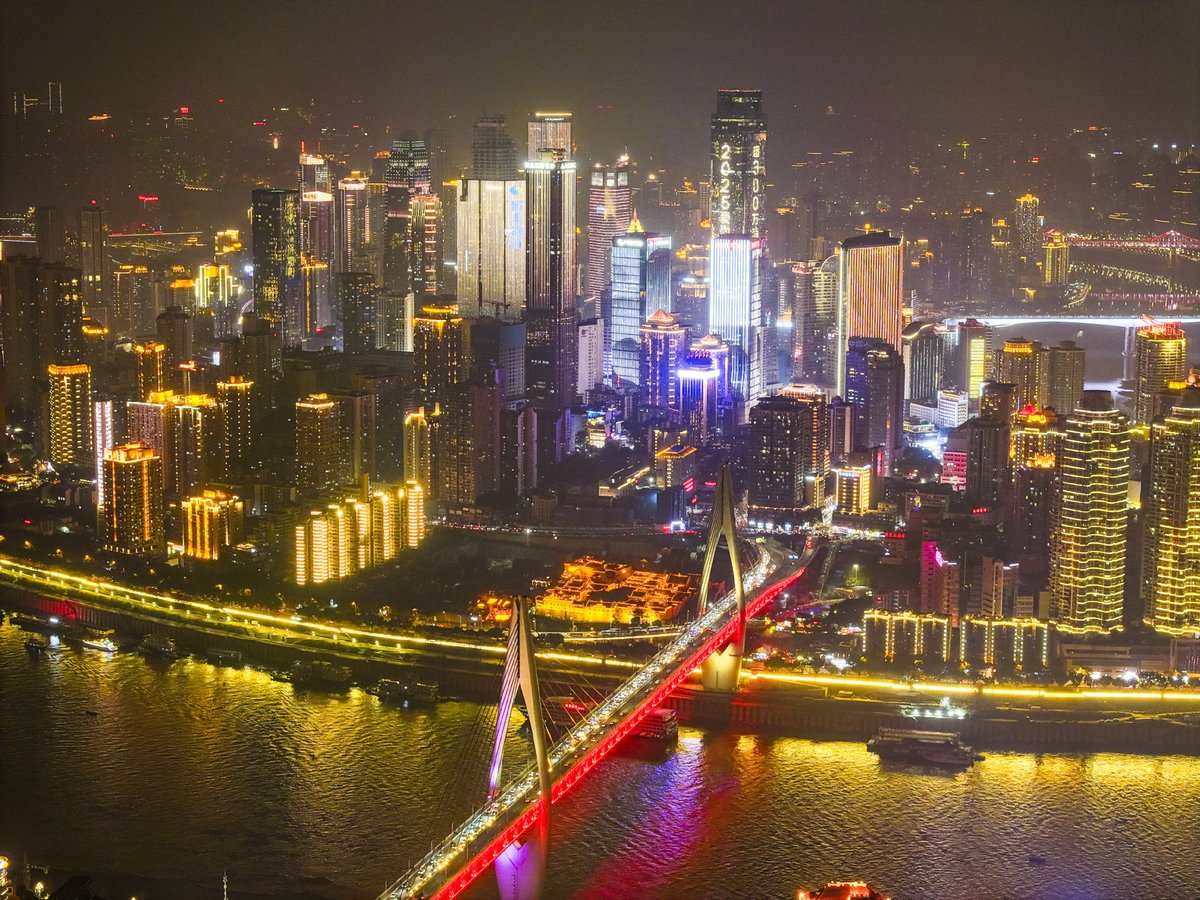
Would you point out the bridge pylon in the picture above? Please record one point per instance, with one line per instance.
(721, 670)
(521, 868)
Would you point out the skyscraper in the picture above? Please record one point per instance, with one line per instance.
(102, 441)
(441, 350)
(1037, 439)
(426, 244)
(195, 456)
(355, 292)
(975, 245)
(735, 309)
(132, 300)
(551, 132)
(71, 435)
(641, 284)
(1027, 227)
(1171, 512)
(875, 387)
(974, 359)
(1161, 358)
(663, 342)
(871, 292)
(356, 249)
(698, 395)
(493, 153)
(133, 514)
(93, 261)
(923, 351)
(789, 449)
(1025, 365)
(468, 439)
(1067, 367)
(317, 240)
(491, 242)
(738, 171)
(550, 315)
(239, 437)
(1056, 254)
(418, 449)
(1087, 552)
(48, 231)
(41, 322)
(610, 211)
(213, 521)
(318, 442)
(815, 321)
(278, 289)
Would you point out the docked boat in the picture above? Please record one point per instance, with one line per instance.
(159, 645)
(99, 641)
(843, 890)
(37, 646)
(391, 691)
(659, 725)
(221, 657)
(321, 674)
(929, 748)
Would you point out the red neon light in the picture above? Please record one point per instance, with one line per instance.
(184, 110)
(689, 485)
(467, 875)
(148, 198)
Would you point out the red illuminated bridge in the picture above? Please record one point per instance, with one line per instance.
(519, 808)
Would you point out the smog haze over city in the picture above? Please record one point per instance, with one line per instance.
(525, 450)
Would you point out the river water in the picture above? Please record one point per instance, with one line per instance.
(186, 771)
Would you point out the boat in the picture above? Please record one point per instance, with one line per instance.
(321, 674)
(99, 640)
(221, 657)
(659, 725)
(391, 691)
(843, 890)
(931, 748)
(159, 645)
(37, 646)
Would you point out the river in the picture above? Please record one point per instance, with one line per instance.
(187, 771)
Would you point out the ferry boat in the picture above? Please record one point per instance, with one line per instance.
(321, 674)
(159, 645)
(843, 890)
(931, 748)
(391, 691)
(660, 725)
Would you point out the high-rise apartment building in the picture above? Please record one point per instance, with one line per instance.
(1087, 551)
(41, 324)
(357, 233)
(213, 521)
(663, 344)
(132, 300)
(738, 167)
(49, 233)
(789, 449)
(1067, 368)
(93, 261)
(1171, 513)
(1025, 365)
(923, 351)
(875, 388)
(640, 285)
(975, 248)
(1027, 231)
(815, 321)
(441, 350)
(871, 292)
(278, 287)
(318, 442)
(103, 439)
(974, 359)
(1161, 360)
(418, 448)
(491, 241)
(610, 211)
(70, 438)
(355, 294)
(468, 440)
(133, 488)
(239, 439)
(1036, 443)
(735, 309)
(1056, 259)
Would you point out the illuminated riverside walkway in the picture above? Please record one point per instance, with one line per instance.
(475, 845)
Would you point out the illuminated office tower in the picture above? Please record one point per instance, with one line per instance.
(1087, 550)
(93, 261)
(468, 440)
(1056, 254)
(1027, 231)
(490, 225)
(1171, 512)
(356, 309)
(418, 448)
(213, 521)
(875, 388)
(102, 441)
(610, 210)
(698, 396)
(815, 321)
(132, 300)
(551, 131)
(641, 285)
(789, 454)
(441, 350)
(426, 243)
(70, 441)
(196, 435)
(738, 165)
(317, 246)
(735, 310)
(236, 396)
(974, 359)
(493, 153)
(409, 166)
(133, 512)
(923, 352)
(150, 359)
(355, 250)
(551, 355)
(663, 343)
(1025, 365)
(318, 442)
(217, 294)
(49, 233)
(853, 484)
(1067, 368)
(870, 292)
(1036, 443)
(275, 235)
(1161, 360)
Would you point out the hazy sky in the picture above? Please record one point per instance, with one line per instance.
(961, 63)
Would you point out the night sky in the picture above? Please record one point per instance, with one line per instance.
(947, 65)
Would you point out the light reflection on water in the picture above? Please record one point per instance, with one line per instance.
(188, 770)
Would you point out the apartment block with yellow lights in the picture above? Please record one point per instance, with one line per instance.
(132, 517)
